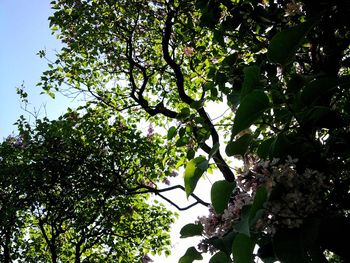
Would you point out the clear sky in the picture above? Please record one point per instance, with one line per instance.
(24, 30)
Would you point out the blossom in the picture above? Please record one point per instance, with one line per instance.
(173, 173)
(188, 51)
(166, 181)
(150, 131)
(293, 8)
(299, 199)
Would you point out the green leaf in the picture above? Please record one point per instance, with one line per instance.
(224, 243)
(171, 132)
(233, 99)
(193, 172)
(251, 80)
(184, 113)
(242, 226)
(191, 230)
(182, 141)
(260, 199)
(251, 108)
(197, 104)
(322, 117)
(221, 192)
(203, 166)
(220, 257)
(240, 146)
(284, 44)
(191, 255)
(242, 249)
(280, 147)
(264, 148)
(190, 154)
(230, 60)
(317, 88)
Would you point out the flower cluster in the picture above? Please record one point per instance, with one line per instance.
(293, 196)
(15, 141)
(188, 51)
(150, 131)
(216, 225)
(293, 8)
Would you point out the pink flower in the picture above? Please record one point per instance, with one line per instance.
(188, 51)
(173, 173)
(166, 181)
(150, 131)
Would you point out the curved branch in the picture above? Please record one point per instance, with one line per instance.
(220, 162)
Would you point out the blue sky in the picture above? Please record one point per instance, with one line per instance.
(24, 30)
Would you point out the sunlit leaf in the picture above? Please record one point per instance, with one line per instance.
(193, 172)
(171, 132)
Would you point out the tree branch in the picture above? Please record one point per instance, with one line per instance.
(159, 192)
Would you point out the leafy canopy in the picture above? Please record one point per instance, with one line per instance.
(77, 189)
(282, 69)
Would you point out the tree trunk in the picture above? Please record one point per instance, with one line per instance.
(7, 247)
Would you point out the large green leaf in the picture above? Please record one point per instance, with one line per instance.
(251, 80)
(220, 195)
(284, 44)
(191, 230)
(317, 88)
(171, 132)
(191, 255)
(264, 148)
(193, 172)
(240, 146)
(220, 257)
(322, 117)
(250, 109)
(242, 249)
(280, 147)
(242, 226)
(224, 243)
(251, 213)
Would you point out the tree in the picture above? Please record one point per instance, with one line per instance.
(76, 189)
(281, 66)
